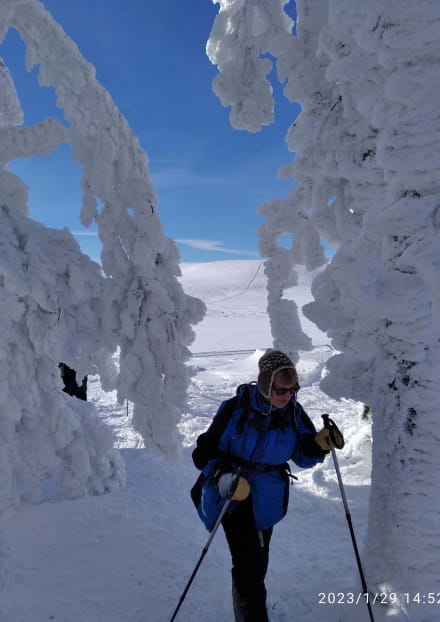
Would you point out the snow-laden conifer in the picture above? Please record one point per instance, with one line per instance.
(367, 161)
(60, 306)
(242, 32)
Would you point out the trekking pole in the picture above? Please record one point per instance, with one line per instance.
(338, 440)
(204, 551)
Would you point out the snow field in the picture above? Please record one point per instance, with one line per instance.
(127, 556)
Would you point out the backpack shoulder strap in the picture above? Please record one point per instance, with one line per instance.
(298, 412)
(244, 401)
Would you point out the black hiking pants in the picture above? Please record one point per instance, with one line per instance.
(250, 559)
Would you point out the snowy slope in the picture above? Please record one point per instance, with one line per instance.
(237, 289)
(126, 557)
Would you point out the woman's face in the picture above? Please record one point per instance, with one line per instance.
(279, 401)
(283, 387)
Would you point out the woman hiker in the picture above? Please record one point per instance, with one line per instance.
(243, 457)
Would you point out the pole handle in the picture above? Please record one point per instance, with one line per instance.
(336, 436)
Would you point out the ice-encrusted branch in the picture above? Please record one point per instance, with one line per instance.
(58, 305)
(367, 165)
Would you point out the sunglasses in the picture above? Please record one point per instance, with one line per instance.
(284, 390)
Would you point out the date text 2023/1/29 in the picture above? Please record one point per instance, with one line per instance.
(380, 598)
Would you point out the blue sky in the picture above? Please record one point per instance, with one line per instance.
(208, 177)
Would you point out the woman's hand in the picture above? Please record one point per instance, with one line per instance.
(324, 440)
(233, 486)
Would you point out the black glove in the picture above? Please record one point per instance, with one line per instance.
(232, 486)
(324, 440)
(334, 437)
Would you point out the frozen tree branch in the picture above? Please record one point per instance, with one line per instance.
(366, 144)
(58, 305)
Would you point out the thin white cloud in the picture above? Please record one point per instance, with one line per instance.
(167, 177)
(92, 233)
(215, 246)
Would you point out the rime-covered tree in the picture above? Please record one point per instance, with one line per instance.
(242, 32)
(366, 144)
(58, 305)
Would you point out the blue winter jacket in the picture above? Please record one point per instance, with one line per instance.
(242, 436)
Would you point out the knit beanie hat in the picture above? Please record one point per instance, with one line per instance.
(269, 364)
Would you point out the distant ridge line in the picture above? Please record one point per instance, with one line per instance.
(251, 351)
(225, 352)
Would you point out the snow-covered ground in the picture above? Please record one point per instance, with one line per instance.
(126, 556)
